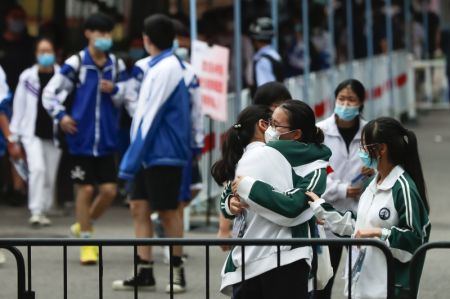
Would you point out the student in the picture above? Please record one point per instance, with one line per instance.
(271, 94)
(34, 127)
(393, 208)
(342, 132)
(267, 64)
(297, 141)
(160, 145)
(98, 80)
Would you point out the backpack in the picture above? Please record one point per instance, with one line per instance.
(277, 68)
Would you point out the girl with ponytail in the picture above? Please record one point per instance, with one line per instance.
(267, 200)
(393, 208)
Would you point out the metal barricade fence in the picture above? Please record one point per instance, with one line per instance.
(418, 258)
(26, 292)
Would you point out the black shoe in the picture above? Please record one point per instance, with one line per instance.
(144, 280)
(179, 281)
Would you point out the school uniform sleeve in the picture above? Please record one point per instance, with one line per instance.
(225, 202)
(413, 227)
(59, 86)
(19, 104)
(336, 189)
(289, 208)
(264, 72)
(119, 91)
(5, 94)
(197, 132)
(341, 224)
(133, 86)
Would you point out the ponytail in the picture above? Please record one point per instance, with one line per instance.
(236, 139)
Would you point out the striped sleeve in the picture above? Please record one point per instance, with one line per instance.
(341, 224)
(288, 208)
(224, 202)
(413, 226)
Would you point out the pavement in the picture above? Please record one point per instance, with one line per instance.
(433, 132)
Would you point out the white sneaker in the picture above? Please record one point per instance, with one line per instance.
(44, 220)
(2, 257)
(35, 220)
(179, 281)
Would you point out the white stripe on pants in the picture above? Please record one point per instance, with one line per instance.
(43, 160)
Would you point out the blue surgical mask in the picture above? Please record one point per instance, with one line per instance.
(367, 161)
(104, 44)
(346, 113)
(46, 59)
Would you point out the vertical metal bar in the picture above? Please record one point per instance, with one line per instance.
(350, 46)
(332, 74)
(238, 55)
(100, 272)
(171, 270)
(29, 266)
(370, 51)
(408, 19)
(426, 25)
(135, 261)
(274, 14)
(278, 256)
(390, 43)
(243, 264)
(349, 249)
(307, 60)
(65, 271)
(193, 17)
(207, 271)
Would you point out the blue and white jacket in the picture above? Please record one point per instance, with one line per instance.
(95, 113)
(161, 132)
(5, 106)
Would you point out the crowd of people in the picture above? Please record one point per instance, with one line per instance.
(284, 175)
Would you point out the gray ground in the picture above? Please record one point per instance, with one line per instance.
(83, 281)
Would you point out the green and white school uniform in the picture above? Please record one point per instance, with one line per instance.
(395, 205)
(272, 214)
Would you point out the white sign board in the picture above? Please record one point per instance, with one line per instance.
(211, 66)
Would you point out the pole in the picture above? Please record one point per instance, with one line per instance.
(238, 55)
(193, 16)
(370, 72)
(426, 25)
(350, 46)
(390, 44)
(331, 49)
(274, 14)
(408, 24)
(306, 58)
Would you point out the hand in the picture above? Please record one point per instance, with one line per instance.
(353, 192)
(106, 86)
(68, 125)
(312, 196)
(236, 207)
(368, 233)
(235, 184)
(15, 151)
(320, 221)
(224, 233)
(368, 172)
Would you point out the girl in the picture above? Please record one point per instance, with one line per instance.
(264, 212)
(393, 208)
(343, 135)
(31, 123)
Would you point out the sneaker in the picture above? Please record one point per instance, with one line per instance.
(88, 255)
(2, 257)
(44, 220)
(166, 258)
(35, 220)
(75, 230)
(179, 282)
(144, 280)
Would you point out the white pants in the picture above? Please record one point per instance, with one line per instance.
(43, 160)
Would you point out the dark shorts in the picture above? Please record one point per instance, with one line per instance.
(160, 185)
(192, 180)
(86, 170)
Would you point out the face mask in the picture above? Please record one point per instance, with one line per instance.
(46, 59)
(271, 134)
(103, 43)
(346, 113)
(182, 53)
(16, 26)
(136, 54)
(367, 161)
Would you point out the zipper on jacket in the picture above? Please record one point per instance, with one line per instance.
(97, 114)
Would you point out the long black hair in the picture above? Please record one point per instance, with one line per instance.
(402, 148)
(356, 86)
(302, 117)
(236, 139)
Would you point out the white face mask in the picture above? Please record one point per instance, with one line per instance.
(271, 134)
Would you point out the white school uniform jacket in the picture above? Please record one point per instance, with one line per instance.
(268, 169)
(23, 122)
(346, 165)
(395, 204)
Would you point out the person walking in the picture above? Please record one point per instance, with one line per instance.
(97, 79)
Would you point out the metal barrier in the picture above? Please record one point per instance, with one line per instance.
(24, 293)
(435, 88)
(417, 259)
